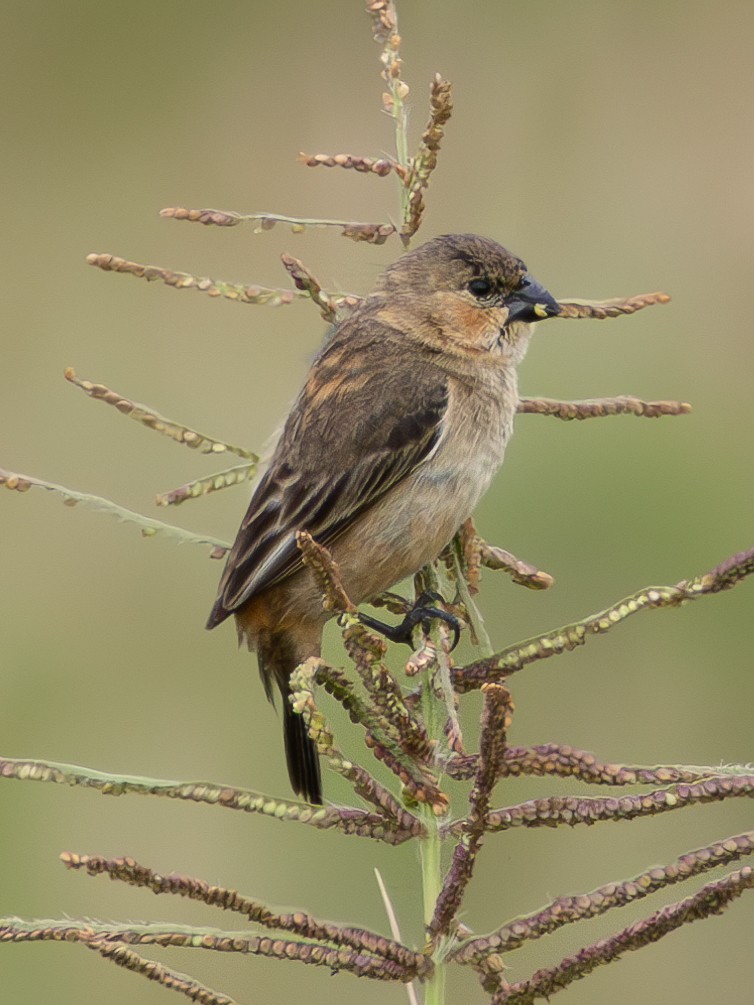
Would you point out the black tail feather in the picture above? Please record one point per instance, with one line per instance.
(277, 661)
(301, 755)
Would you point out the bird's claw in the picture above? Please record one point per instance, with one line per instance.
(419, 614)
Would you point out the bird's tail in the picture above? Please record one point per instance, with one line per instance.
(301, 755)
(277, 661)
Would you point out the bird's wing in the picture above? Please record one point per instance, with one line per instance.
(359, 426)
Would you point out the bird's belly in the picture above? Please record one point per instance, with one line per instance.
(411, 525)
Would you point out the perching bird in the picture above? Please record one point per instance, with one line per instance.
(396, 434)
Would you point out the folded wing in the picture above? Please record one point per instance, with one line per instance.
(357, 429)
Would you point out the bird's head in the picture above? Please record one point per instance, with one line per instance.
(465, 295)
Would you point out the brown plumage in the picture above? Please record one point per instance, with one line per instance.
(397, 432)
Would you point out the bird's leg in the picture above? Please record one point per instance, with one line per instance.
(420, 613)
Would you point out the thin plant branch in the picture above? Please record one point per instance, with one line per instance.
(237, 292)
(573, 307)
(711, 899)
(496, 718)
(152, 419)
(124, 957)
(371, 233)
(325, 573)
(555, 811)
(514, 658)
(385, 33)
(127, 870)
(345, 819)
(360, 964)
(425, 161)
(366, 651)
(561, 760)
(465, 564)
(395, 930)
(522, 573)
(305, 281)
(364, 165)
(149, 526)
(596, 408)
(581, 906)
(434, 654)
(210, 483)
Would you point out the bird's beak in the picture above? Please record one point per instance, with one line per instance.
(531, 302)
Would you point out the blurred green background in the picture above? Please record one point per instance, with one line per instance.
(610, 145)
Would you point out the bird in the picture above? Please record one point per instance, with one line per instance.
(401, 424)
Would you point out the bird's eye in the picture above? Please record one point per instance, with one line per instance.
(481, 288)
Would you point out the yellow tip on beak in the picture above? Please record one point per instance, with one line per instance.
(541, 311)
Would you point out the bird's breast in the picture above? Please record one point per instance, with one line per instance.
(475, 431)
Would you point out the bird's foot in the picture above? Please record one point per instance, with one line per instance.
(421, 614)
